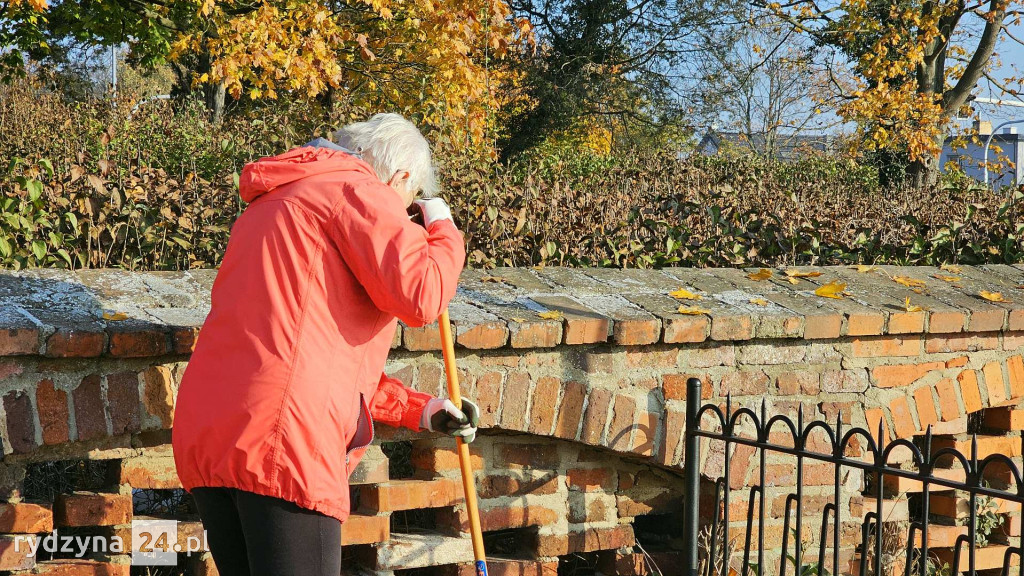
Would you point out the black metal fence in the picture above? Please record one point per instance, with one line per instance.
(924, 462)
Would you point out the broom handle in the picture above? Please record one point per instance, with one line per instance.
(468, 483)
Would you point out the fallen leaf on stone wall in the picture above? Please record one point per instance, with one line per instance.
(951, 268)
(799, 274)
(684, 294)
(115, 316)
(907, 281)
(762, 274)
(693, 310)
(759, 301)
(492, 279)
(992, 296)
(945, 278)
(864, 268)
(519, 320)
(550, 315)
(912, 308)
(792, 280)
(833, 289)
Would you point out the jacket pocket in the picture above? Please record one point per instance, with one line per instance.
(361, 439)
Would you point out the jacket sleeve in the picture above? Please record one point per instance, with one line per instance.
(408, 271)
(397, 405)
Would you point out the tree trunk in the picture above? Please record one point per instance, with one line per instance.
(923, 173)
(215, 94)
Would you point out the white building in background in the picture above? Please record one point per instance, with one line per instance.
(970, 157)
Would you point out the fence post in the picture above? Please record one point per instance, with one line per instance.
(691, 477)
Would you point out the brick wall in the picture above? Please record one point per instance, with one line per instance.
(579, 459)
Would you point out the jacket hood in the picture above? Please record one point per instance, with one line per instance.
(267, 174)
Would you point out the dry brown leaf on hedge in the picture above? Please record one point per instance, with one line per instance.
(693, 310)
(907, 281)
(864, 268)
(798, 274)
(492, 279)
(115, 316)
(912, 308)
(833, 289)
(760, 275)
(945, 278)
(550, 315)
(951, 268)
(992, 296)
(684, 294)
(759, 301)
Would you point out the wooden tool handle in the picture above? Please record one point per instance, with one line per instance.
(468, 482)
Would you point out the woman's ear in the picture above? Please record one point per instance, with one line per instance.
(399, 177)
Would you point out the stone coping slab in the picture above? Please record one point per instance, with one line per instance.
(117, 313)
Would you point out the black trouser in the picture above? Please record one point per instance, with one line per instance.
(254, 535)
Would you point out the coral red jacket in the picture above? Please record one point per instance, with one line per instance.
(287, 371)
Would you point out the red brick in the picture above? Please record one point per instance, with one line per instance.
(731, 328)
(1007, 419)
(410, 494)
(925, 407)
(434, 459)
(881, 346)
(515, 401)
(969, 390)
(535, 334)
(591, 479)
(150, 472)
(545, 400)
(92, 509)
(505, 567)
(1015, 370)
(949, 407)
(497, 486)
(431, 379)
(52, 405)
(958, 362)
(906, 322)
(874, 417)
(421, 338)
(673, 386)
(739, 464)
(89, 412)
(903, 374)
(636, 332)
(675, 424)
(987, 446)
(744, 383)
(823, 326)
(902, 420)
(485, 336)
(689, 329)
(488, 397)
(75, 344)
(961, 343)
(793, 383)
(19, 342)
(138, 344)
(25, 518)
(993, 373)
(623, 421)
(528, 456)
(833, 410)
(519, 516)
(14, 553)
(993, 320)
(79, 567)
(858, 324)
(946, 322)
(203, 564)
(597, 415)
(21, 428)
(593, 539)
(571, 410)
(158, 394)
(123, 402)
(585, 330)
(643, 438)
(183, 339)
(365, 529)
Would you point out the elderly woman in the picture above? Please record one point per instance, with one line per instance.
(275, 408)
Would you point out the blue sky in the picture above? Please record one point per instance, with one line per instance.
(1012, 56)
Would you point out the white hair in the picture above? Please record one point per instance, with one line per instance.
(390, 143)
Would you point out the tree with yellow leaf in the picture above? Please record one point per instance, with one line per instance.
(914, 65)
(429, 59)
